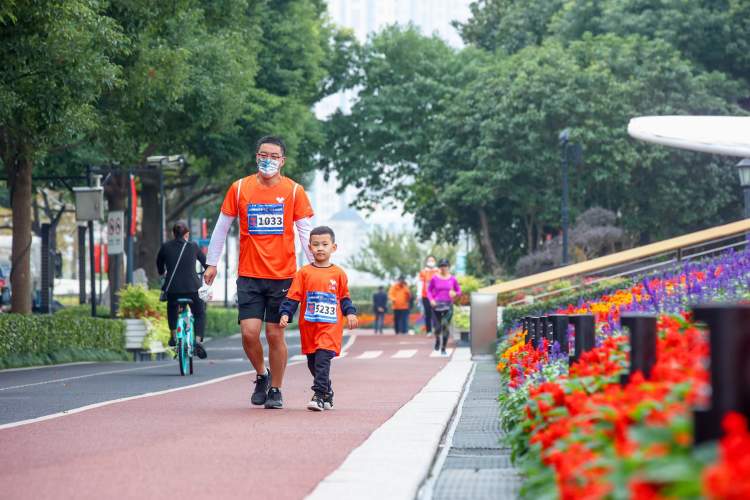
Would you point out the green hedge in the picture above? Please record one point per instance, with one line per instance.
(83, 311)
(29, 340)
(512, 315)
(221, 322)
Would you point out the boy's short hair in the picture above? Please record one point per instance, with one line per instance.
(271, 139)
(321, 230)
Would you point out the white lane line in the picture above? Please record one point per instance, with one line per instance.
(110, 372)
(404, 353)
(436, 354)
(81, 409)
(370, 355)
(41, 367)
(404, 447)
(298, 357)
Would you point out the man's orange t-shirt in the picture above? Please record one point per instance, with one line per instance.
(266, 217)
(399, 295)
(319, 291)
(425, 275)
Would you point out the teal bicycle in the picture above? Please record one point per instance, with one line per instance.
(185, 337)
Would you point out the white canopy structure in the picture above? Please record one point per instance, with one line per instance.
(724, 135)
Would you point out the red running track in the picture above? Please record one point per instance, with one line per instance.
(208, 442)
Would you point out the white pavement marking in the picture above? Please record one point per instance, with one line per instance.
(39, 367)
(298, 357)
(109, 372)
(81, 409)
(370, 355)
(404, 353)
(436, 354)
(396, 458)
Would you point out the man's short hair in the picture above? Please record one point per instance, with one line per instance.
(321, 230)
(271, 139)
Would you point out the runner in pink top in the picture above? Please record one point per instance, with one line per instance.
(441, 291)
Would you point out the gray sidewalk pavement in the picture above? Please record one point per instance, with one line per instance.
(476, 466)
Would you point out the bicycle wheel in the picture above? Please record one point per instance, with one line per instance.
(182, 357)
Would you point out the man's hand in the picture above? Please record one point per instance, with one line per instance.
(351, 319)
(381, 310)
(210, 275)
(284, 321)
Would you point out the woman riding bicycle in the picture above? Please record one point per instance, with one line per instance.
(442, 291)
(177, 259)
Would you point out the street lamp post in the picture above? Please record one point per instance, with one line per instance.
(566, 148)
(564, 137)
(743, 168)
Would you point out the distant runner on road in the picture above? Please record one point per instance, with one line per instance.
(267, 205)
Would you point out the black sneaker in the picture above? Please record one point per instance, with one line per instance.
(328, 401)
(316, 403)
(437, 344)
(171, 342)
(262, 383)
(200, 351)
(274, 400)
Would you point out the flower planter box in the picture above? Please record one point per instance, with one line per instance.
(135, 331)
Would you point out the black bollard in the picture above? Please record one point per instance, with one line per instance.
(559, 324)
(536, 326)
(729, 338)
(642, 339)
(585, 334)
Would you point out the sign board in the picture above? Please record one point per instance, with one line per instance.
(116, 232)
(89, 203)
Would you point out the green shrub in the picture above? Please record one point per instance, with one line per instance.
(137, 301)
(27, 339)
(461, 319)
(221, 322)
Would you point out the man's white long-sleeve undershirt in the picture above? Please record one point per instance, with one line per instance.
(221, 229)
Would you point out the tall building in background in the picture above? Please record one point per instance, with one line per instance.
(366, 17)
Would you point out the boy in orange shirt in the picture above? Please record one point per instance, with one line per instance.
(323, 290)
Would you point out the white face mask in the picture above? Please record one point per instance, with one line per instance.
(431, 264)
(269, 167)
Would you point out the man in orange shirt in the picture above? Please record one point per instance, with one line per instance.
(400, 297)
(267, 206)
(425, 275)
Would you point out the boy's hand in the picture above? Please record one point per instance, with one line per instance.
(351, 319)
(284, 321)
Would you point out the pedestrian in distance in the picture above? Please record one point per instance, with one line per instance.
(400, 297)
(442, 291)
(267, 206)
(425, 275)
(379, 307)
(176, 262)
(323, 290)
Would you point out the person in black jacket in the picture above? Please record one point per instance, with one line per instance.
(185, 283)
(379, 307)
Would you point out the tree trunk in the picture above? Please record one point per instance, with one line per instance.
(116, 191)
(148, 240)
(485, 240)
(19, 174)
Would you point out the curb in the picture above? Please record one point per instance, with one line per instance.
(395, 460)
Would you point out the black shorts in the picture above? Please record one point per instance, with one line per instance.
(260, 298)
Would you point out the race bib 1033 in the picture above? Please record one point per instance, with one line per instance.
(321, 308)
(265, 218)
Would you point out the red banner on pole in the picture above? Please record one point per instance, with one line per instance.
(133, 206)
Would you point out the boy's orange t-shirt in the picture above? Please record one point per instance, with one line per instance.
(266, 218)
(319, 291)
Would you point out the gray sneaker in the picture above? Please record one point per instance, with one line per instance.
(316, 403)
(328, 401)
(262, 383)
(274, 400)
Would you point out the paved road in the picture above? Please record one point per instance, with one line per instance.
(134, 449)
(32, 393)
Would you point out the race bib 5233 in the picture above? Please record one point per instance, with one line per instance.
(265, 218)
(321, 307)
